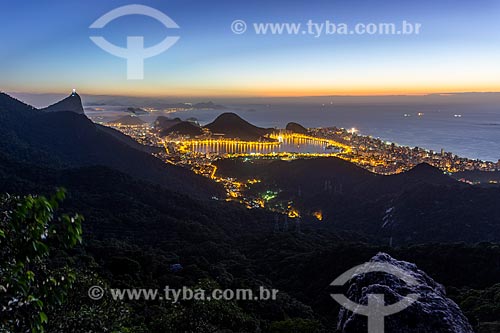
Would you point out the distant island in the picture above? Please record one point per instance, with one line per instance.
(137, 111)
(131, 120)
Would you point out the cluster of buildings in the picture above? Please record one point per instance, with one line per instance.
(371, 153)
(389, 158)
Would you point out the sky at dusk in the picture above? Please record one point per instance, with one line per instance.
(46, 48)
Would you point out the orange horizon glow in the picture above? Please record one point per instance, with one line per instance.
(261, 92)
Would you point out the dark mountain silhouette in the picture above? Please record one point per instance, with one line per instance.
(67, 139)
(420, 175)
(296, 128)
(183, 128)
(421, 205)
(72, 103)
(162, 123)
(8, 103)
(426, 173)
(314, 175)
(130, 120)
(233, 126)
(309, 174)
(118, 206)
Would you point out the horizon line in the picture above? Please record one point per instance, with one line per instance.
(216, 96)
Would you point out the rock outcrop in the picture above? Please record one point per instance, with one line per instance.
(432, 312)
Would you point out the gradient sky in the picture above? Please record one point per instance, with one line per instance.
(45, 48)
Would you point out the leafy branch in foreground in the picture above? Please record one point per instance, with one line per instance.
(30, 284)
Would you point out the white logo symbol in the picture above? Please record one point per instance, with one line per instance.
(239, 27)
(95, 293)
(376, 309)
(135, 53)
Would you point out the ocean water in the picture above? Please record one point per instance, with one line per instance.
(468, 130)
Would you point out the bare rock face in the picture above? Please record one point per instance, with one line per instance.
(432, 312)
